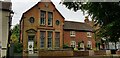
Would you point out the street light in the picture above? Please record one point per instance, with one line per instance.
(9, 35)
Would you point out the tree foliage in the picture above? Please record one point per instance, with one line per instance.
(104, 14)
(16, 31)
(15, 39)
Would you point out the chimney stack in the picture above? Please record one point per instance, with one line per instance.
(45, 0)
(86, 19)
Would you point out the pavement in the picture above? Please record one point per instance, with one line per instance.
(96, 56)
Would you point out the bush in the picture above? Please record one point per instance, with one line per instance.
(65, 46)
(17, 47)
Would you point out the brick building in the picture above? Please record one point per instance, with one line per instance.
(75, 32)
(43, 27)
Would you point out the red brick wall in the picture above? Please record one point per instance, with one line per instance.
(80, 36)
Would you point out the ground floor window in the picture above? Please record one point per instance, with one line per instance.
(42, 39)
(89, 44)
(73, 44)
(57, 39)
(82, 44)
(49, 39)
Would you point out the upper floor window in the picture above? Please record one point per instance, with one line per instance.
(43, 17)
(72, 33)
(88, 34)
(50, 18)
(31, 20)
(57, 22)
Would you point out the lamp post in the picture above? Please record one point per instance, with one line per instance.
(9, 35)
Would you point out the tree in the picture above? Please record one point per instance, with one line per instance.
(15, 39)
(104, 14)
(16, 31)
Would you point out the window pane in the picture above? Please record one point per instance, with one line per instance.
(50, 18)
(30, 37)
(57, 39)
(72, 33)
(43, 16)
(42, 37)
(73, 44)
(49, 39)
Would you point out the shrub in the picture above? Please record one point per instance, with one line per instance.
(18, 47)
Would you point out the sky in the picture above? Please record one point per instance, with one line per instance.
(20, 6)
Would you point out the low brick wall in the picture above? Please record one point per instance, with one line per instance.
(55, 53)
(65, 53)
(118, 52)
(73, 53)
(102, 52)
(91, 52)
(81, 53)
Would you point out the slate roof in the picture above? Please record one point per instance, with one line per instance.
(70, 25)
(5, 5)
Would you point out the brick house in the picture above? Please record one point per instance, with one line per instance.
(41, 27)
(75, 32)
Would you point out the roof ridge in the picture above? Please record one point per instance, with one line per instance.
(75, 22)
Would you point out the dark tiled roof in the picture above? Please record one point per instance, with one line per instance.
(70, 25)
(5, 5)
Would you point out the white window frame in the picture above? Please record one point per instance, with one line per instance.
(73, 44)
(89, 34)
(72, 33)
(89, 43)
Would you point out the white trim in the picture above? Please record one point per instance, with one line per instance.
(73, 43)
(89, 34)
(72, 33)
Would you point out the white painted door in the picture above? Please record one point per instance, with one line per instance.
(30, 47)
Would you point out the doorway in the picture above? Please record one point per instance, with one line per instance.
(31, 44)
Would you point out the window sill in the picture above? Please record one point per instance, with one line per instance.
(42, 25)
(89, 36)
(50, 26)
(72, 35)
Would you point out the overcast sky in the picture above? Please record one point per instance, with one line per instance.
(20, 6)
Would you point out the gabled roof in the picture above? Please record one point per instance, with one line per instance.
(5, 5)
(70, 25)
(42, 1)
